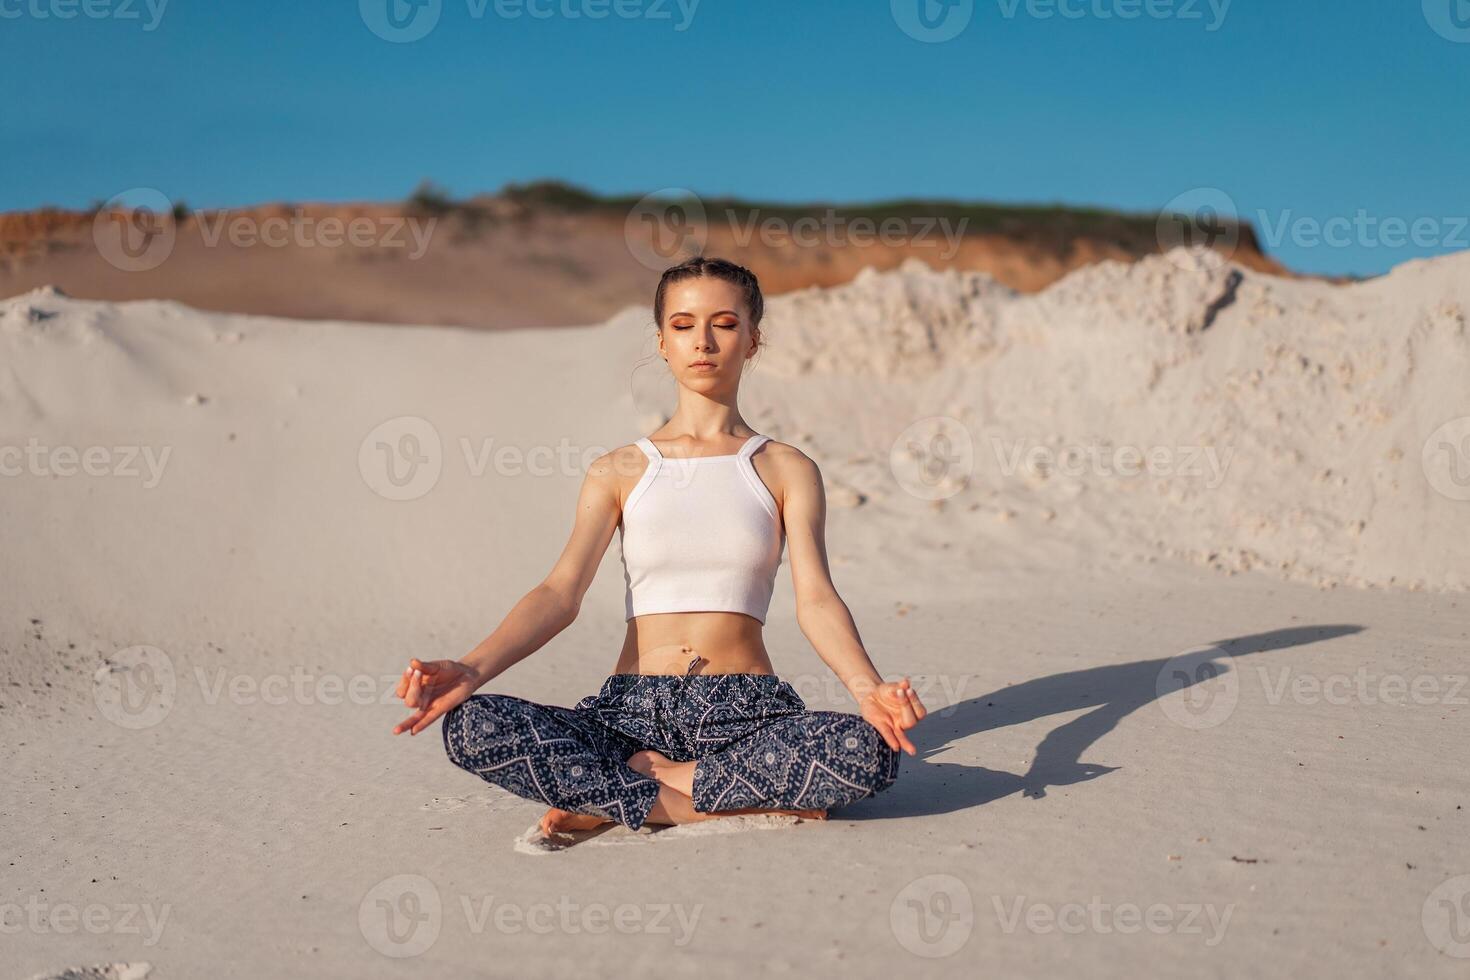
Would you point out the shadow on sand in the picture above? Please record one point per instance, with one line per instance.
(1113, 692)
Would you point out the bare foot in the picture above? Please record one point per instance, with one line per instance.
(556, 821)
(675, 775)
(673, 807)
(679, 777)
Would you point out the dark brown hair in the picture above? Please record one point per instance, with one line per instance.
(737, 275)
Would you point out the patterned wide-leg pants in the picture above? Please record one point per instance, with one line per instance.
(754, 741)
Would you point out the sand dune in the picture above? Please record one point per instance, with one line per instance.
(1175, 406)
(1272, 424)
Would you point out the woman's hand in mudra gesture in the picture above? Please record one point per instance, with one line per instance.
(432, 688)
(892, 707)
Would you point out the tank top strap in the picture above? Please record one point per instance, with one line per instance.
(752, 444)
(649, 449)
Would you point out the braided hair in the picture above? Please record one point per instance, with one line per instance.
(698, 266)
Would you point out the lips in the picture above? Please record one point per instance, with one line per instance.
(703, 364)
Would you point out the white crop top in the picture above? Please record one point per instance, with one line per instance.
(700, 535)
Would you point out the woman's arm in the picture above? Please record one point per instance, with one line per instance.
(824, 618)
(436, 686)
(553, 605)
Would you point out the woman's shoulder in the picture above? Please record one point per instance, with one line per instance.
(784, 458)
(622, 461)
(775, 447)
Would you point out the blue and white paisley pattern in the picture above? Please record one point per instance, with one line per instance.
(558, 756)
(756, 743)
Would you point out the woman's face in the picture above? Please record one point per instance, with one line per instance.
(707, 335)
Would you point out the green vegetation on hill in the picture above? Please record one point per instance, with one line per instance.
(1014, 219)
(1055, 224)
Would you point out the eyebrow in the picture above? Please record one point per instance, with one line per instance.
(716, 313)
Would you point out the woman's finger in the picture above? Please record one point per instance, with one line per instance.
(407, 723)
(898, 731)
(907, 717)
(912, 705)
(899, 719)
(885, 729)
(416, 689)
(894, 735)
(431, 716)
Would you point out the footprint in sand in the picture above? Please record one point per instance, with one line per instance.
(100, 971)
(532, 841)
(488, 802)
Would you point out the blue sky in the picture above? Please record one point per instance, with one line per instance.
(1300, 111)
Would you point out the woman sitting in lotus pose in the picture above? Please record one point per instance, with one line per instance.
(694, 722)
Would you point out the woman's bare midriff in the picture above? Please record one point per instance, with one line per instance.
(666, 643)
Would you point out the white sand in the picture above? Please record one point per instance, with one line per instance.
(1301, 813)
